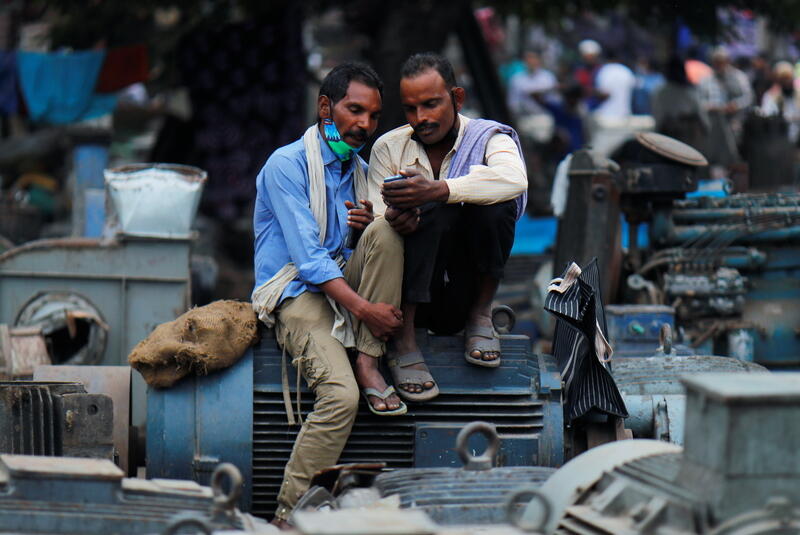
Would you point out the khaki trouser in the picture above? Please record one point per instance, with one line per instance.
(303, 328)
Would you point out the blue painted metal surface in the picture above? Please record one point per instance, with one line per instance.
(95, 212)
(88, 161)
(522, 398)
(771, 305)
(91, 497)
(633, 330)
(656, 416)
(476, 493)
(771, 266)
(201, 422)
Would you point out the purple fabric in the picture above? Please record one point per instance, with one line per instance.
(472, 150)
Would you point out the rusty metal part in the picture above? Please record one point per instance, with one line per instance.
(337, 478)
(671, 149)
(53, 312)
(590, 225)
(53, 243)
(113, 381)
(52, 419)
(665, 339)
(21, 350)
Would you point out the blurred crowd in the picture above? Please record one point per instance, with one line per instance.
(724, 105)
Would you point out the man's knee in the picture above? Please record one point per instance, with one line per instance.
(339, 401)
(382, 238)
(500, 217)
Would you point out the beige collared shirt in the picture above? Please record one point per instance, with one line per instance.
(502, 178)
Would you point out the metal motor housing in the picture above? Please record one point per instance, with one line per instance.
(238, 416)
(477, 493)
(739, 469)
(91, 496)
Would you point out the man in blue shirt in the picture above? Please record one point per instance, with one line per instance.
(321, 291)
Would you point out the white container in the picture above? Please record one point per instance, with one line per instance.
(155, 199)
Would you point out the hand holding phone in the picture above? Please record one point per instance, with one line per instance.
(359, 215)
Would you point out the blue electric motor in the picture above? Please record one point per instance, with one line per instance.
(238, 416)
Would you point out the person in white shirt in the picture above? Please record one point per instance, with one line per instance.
(464, 185)
(525, 86)
(783, 98)
(614, 84)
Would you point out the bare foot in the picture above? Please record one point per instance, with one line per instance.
(482, 320)
(403, 346)
(368, 376)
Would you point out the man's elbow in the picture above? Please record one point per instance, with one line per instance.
(316, 273)
(518, 180)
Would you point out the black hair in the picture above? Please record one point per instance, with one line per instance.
(572, 91)
(676, 71)
(335, 84)
(419, 63)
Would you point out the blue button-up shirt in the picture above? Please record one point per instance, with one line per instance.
(286, 231)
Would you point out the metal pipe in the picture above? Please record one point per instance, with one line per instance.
(681, 233)
(90, 276)
(688, 215)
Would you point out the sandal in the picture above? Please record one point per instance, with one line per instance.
(403, 375)
(366, 392)
(491, 343)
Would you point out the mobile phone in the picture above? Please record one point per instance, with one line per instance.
(353, 235)
(393, 178)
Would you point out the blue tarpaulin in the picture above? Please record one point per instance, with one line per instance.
(59, 87)
(537, 235)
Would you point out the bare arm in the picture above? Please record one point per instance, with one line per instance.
(382, 319)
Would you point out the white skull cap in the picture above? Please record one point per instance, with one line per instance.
(589, 47)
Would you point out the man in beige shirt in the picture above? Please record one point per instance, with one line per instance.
(465, 187)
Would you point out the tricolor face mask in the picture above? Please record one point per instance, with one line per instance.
(340, 147)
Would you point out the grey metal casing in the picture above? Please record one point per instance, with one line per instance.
(742, 439)
(135, 283)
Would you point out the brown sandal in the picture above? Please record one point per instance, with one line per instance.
(403, 375)
(490, 344)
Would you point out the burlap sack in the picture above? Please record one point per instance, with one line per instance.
(201, 340)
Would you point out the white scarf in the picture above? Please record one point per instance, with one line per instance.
(266, 297)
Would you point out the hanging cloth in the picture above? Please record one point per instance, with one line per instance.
(580, 346)
(123, 66)
(59, 87)
(9, 95)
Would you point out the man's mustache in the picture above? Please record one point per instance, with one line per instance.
(425, 126)
(358, 134)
